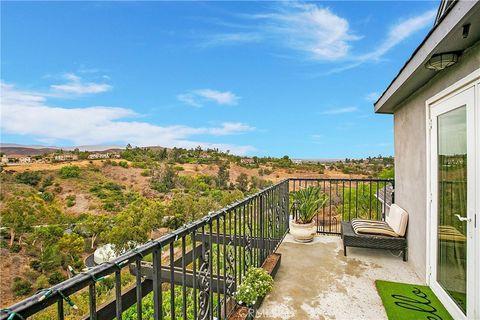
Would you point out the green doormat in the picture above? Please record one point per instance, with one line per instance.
(404, 301)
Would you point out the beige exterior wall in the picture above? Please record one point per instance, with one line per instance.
(411, 152)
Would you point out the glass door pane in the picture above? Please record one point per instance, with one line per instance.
(452, 205)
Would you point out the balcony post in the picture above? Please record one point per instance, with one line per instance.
(262, 228)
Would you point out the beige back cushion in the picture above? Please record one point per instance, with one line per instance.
(397, 219)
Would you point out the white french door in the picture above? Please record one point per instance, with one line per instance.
(453, 249)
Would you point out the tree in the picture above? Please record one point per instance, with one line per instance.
(164, 180)
(46, 236)
(95, 225)
(71, 245)
(360, 201)
(18, 216)
(223, 176)
(132, 226)
(259, 183)
(285, 162)
(387, 173)
(50, 259)
(242, 182)
(163, 154)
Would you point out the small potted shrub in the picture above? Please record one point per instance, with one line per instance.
(255, 286)
(305, 205)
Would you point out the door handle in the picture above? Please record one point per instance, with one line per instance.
(459, 217)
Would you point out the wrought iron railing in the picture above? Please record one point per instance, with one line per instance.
(195, 270)
(347, 199)
(193, 274)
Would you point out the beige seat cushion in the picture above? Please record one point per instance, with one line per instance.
(397, 219)
(379, 228)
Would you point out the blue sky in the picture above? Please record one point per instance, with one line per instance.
(256, 78)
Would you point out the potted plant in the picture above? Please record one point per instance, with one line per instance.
(305, 205)
(254, 287)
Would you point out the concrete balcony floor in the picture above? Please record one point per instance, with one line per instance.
(315, 281)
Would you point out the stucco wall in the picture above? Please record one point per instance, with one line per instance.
(410, 154)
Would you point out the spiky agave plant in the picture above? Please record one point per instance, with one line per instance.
(306, 202)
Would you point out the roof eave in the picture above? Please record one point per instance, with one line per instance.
(441, 31)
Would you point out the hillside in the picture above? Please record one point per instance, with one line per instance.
(25, 151)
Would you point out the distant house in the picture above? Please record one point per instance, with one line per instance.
(204, 155)
(65, 157)
(16, 159)
(25, 159)
(98, 155)
(247, 161)
(297, 161)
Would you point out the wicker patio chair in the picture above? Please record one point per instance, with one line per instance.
(375, 241)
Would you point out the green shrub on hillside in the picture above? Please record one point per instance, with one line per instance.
(36, 265)
(47, 196)
(56, 277)
(113, 196)
(146, 173)
(47, 182)
(15, 248)
(41, 282)
(70, 200)
(70, 172)
(30, 178)
(21, 286)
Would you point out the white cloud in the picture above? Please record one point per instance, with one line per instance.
(228, 128)
(318, 138)
(28, 113)
(75, 85)
(372, 96)
(219, 97)
(197, 98)
(307, 27)
(231, 39)
(339, 111)
(401, 31)
(190, 99)
(398, 33)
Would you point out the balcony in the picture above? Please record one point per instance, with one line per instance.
(193, 272)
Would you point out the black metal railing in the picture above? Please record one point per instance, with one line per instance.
(347, 199)
(193, 272)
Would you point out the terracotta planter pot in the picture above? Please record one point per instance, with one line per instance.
(303, 232)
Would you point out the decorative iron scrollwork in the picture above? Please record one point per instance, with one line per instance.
(270, 219)
(230, 268)
(204, 287)
(248, 242)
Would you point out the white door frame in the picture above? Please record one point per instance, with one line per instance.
(472, 82)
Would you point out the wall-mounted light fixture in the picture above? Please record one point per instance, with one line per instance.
(441, 61)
